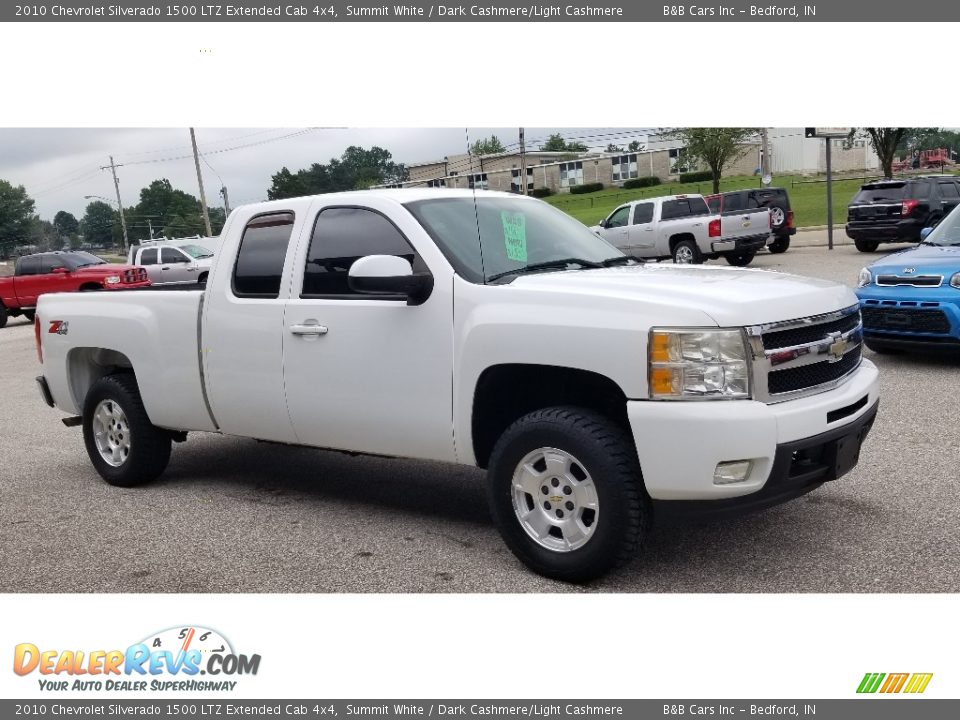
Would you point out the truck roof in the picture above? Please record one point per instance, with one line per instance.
(398, 195)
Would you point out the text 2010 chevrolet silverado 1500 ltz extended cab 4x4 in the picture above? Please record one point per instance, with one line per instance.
(487, 329)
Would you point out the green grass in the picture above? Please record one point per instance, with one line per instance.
(807, 199)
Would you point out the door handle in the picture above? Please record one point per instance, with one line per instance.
(166, 267)
(191, 269)
(310, 330)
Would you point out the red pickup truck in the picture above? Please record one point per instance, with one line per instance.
(51, 272)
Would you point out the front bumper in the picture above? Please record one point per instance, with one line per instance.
(680, 444)
(743, 244)
(901, 316)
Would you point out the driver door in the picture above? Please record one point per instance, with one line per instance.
(642, 231)
(616, 230)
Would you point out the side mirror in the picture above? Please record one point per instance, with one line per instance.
(59, 271)
(603, 224)
(926, 231)
(389, 275)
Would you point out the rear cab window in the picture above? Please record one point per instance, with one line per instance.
(258, 270)
(684, 207)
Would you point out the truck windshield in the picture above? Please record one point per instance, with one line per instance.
(81, 259)
(196, 252)
(515, 234)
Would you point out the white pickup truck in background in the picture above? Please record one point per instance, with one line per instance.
(173, 262)
(486, 329)
(682, 227)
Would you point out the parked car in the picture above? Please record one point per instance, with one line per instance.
(171, 262)
(682, 227)
(897, 210)
(775, 199)
(57, 272)
(487, 329)
(911, 299)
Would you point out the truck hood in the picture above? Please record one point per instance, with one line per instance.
(731, 296)
(924, 259)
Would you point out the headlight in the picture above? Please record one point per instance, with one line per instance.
(111, 279)
(955, 280)
(865, 278)
(698, 364)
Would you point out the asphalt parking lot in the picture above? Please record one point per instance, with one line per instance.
(234, 515)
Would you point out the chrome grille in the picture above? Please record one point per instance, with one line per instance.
(803, 357)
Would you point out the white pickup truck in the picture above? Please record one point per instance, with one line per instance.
(683, 228)
(487, 329)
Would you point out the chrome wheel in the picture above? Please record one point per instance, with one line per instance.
(111, 432)
(684, 255)
(777, 216)
(555, 499)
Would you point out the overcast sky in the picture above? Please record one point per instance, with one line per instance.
(59, 166)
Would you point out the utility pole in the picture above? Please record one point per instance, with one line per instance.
(150, 227)
(116, 186)
(764, 156)
(829, 141)
(523, 163)
(203, 198)
(226, 201)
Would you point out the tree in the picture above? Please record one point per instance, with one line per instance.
(556, 143)
(98, 222)
(715, 147)
(885, 142)
(611, 148)
(357, 168)
(635, 146)
(488, 146)
(16, 215)
(67, 226)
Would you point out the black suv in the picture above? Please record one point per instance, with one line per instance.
(897, 210)
(776, 199)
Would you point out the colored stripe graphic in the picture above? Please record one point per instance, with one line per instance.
(894, 683)
(870, 682)
(918, 683)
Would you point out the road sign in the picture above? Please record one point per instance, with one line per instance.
(826, 132)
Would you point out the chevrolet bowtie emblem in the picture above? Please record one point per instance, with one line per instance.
(838, 349)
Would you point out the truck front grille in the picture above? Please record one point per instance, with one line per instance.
(803, 357)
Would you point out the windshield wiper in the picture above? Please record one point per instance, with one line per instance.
(547, 265)
(621, 260)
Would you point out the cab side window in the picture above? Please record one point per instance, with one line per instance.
(263, 249)
(343, 235)
(619, 217)
(49, 262)
(29, 266)
(643, 213)
(172, 255)
(148, 257)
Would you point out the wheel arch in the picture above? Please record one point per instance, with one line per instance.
(86, 365)
(504, 393)
(680, 237)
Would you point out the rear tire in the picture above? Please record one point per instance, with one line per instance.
(780, 245)
(595, 511)
(3, 315)
(123, 445)
(741, 259)
(686, 252)
(867, 246)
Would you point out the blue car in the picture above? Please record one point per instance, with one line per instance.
(911, 299)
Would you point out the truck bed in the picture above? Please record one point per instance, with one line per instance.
(155, 330)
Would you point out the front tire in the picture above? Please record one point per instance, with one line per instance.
(123, 445)
(867, 246)
(29, 314)
(741, 259)
(686, 252)
(594, 512)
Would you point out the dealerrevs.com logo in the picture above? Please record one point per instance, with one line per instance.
(173, 659)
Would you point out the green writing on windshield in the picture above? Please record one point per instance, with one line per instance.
(515, 235)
